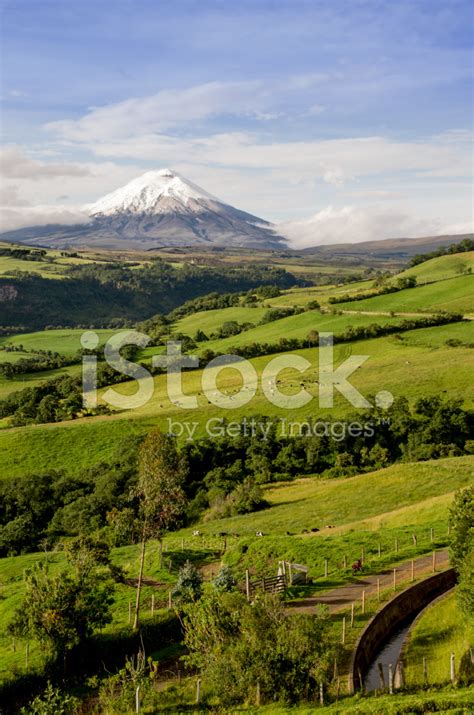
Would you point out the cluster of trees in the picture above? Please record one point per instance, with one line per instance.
(54, 400)
(26, 254)
(240, 648)
(222, 475)
(99, 295)
(40, 362)
(467, 244)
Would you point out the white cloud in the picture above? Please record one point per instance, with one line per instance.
(9, 196)
(156, 112)
(12, 218)
(354, 225)
(16, 164)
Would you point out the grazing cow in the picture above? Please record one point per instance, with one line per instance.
(196, 533)
(259, 533)
(356, 566)
(314, 529)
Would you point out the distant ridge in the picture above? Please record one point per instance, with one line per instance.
(388, 247)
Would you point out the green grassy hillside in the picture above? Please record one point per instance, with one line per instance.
(393, 500)
(294, 326)
(440, 268)
(441, 630)
(455, 294)
(65, 342)
(417, 364)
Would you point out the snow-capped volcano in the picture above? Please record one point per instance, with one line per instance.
(157, 209)
(149, 194)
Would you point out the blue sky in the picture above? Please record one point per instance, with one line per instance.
(358, 113)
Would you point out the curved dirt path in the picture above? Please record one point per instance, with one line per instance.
(341, 597)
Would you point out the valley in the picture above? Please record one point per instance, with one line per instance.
(317, 500)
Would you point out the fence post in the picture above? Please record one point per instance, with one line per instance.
(170, 600)
(343, 630)
(325, 568)
(321, 694)
(378, 589)
(362, 555)
(431, 534)
(412, 570)
(394, 579)
(414, 540)
(198, 691)
(434, 561)
(390, 679)
(257, 694)
(152, 604)
(345, 561)
(247, 584)
(182, 544)
(137, 699)
(396, 546)
(380, 549)
(363, 601)
(401, 674)
(452, 668)
(352, 614)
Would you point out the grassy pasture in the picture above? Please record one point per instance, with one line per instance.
(296, 326)
(441, 630)
(32, 379)
(295, 504)
(440, 268)
(65, 342)
(302, 296)
(454, 294)
(386, 498)
(417, 365)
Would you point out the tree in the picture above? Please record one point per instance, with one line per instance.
(235, 645)
(313, 337)
(62, 610)
(160, 492)
(188, 588)
(461, 519)
(225, 580)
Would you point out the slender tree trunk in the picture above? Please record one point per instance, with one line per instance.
(161, 552)
(139, 583)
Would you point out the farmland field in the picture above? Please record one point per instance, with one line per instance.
(439, 631)
(417, 365)
(454, 294)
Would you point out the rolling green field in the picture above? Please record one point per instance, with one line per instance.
(417, 365)
(294, 326)
(65, 342)
(441, 630)
(397, 501)
(437, 269)
(454, 294)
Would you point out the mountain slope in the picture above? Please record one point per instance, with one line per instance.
(159, 208)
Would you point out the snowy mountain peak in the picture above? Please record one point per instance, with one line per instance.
(152, 193)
